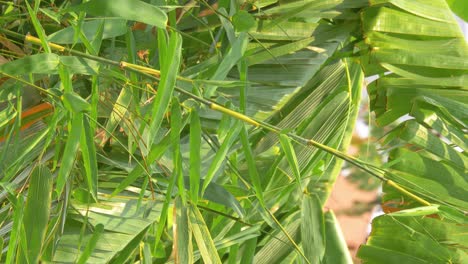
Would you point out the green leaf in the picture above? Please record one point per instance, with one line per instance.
(218, 194)
(243, 21)
(183, 235)
(406, 239)
(169, 72)
(195, 159)
(202, 236)
(112, 28)
(127, 9)
(336, 249)
(75, 103)
(69, 153)
(291, 157)
(44, 63)
(88, 151)
(220, 156)
(313, 228)
(37, 210)
(78, 65)
(235, 53)
(88, 251)
(18, 215)
(460, 8)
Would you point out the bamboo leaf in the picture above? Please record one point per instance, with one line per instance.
(195, 159)
(202, 236)
(45, 63)
(69, 153)
(112, 28)
(88, 251)
(183, 235)
(291, 157)
(36, 212)
(215, 166)
(313, 228)
(88, 151)
(127, 9)
(336, 249)
(169, 72)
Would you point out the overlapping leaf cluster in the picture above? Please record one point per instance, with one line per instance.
(154, 131)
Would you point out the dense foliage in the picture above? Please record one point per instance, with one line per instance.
(213, 131)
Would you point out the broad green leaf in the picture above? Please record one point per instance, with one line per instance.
(45, 63)
(406, 239)
(48, 63)
(384, 19)
(112, 28)
(276, 249)
(90, 247)
(202, 236)
(126, 9)
(37, 210)
(183, 235)
(336, 249)
(78, 65)
(434, 10)
(243, 21)
(313, 236)
(459, 7)
(75, 103)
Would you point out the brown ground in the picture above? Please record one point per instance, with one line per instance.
(342, 201)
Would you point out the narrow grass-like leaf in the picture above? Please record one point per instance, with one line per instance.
(202, 236)
(36, 212)
(230, 60)
(127, 9)
(18, 215)
(37, 26)
(195, 159)
(98, 230)
(291, 156)
(313, 228)
(165, 210)
(231, 137)
(166, 86)
(183, 235)
(127, 252)
(88, 152)
(176, 126)
(69, 152)
(252, 168)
